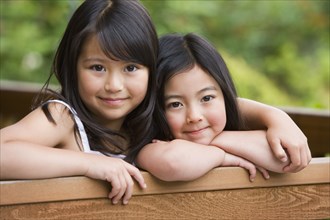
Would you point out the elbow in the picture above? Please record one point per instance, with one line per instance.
(169, 168)
(167, 161)
(166, 164)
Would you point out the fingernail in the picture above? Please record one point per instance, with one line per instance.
(284, 159)
(114, 202)
(125, 202)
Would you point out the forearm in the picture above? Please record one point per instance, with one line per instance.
(179, 160)
(29, 161)
(260, 116)
(251, 145)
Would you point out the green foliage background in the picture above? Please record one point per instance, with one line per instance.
(276, 50)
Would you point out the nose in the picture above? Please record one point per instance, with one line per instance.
(194, 115)
(114, 83)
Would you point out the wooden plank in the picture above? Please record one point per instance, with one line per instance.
(287, 202)
(223, 193)
(73, 188)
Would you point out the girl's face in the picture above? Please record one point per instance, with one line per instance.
(194, 106)
(111, 89)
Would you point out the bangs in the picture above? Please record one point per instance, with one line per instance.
(123, 38)
(181, 63)
(117, 48)
(180, 68)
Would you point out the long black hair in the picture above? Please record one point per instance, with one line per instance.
(125, 32)
(179, 53)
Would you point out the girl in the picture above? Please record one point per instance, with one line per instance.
(196, 102)
(104, 64)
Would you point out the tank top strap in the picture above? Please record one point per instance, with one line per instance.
(81, 128)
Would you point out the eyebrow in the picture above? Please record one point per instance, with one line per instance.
(93, 59)
(209, 88)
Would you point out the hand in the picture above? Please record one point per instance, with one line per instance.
(232, 160)
(289, 143)
(117, 172)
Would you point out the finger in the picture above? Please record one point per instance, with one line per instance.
(305, 158)
(129, 189)
(295, 157)
(289, 168)
(264, 172)
(121, 190)
(309, 156)
(278, 150)
(253, 173)
(251, 168)
(136, 174)
(308, 153)
(115, 187)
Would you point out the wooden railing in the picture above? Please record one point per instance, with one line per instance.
(223, 193)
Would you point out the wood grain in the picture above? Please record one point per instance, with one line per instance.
(288, 202)
(224, 193)
(73, 188)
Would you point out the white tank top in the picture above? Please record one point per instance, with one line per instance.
(82, 132)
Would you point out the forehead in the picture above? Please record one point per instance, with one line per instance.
(91, 47)
(193, 79)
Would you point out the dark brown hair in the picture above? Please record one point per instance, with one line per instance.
(125, 32)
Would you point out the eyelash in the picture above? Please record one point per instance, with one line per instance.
(210, 97)
(130, 66)
(95, 68)
(126, 69)
(171, 105)
(178, 104)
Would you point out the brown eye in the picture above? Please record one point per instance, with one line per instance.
(207, 98)
(98, 68)
(174, 105)
(130, 68)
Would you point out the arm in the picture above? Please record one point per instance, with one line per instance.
(251, 145)
(34, 148)
(283, 134)
(181, 160)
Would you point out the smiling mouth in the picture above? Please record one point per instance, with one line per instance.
(198, 131)
(113, 101)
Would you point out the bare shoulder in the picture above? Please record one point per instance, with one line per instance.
(61, 114)
(36, 128)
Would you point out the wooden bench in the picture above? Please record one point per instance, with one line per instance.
(223, 193)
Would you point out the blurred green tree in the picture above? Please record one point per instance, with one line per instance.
(277, 51)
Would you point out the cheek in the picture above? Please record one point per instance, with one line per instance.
(138, 87)
(217, 117)
(175, 123)
(87, 87)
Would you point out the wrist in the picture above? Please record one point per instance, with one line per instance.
(223, 140)
(221, 154)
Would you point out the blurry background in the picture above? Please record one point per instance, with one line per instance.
(277, 50)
